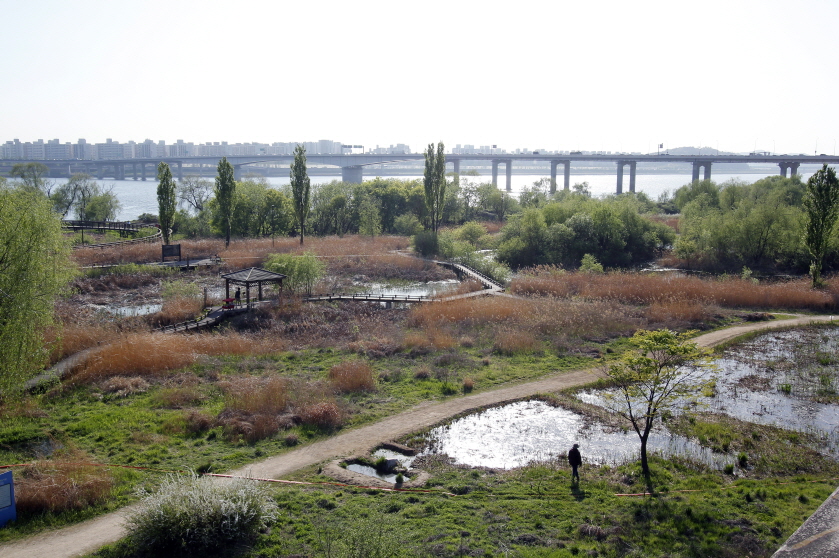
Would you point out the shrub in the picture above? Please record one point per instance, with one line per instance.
(325, 415)
(59, 485)
(468, 385)
(422, 373)
(425, 243)
(192, 515)
(353, 376)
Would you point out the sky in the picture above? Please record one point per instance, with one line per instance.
(557, 75)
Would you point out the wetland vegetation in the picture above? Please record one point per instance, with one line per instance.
(289, 374)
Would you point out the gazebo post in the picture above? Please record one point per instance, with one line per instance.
(227, 288)
(248, 294)
(260, 290)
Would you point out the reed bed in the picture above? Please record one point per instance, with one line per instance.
(648, 288)
(352, 377)
(253, 251)
(61, 485)
(154, 354)
(176, 310)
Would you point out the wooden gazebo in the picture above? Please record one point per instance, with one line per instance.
(251, 276)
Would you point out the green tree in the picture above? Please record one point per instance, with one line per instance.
(663, 372)
(225, 191)
(32, 176)
(369, 219)
(434, 181)
(300, 188)
(302, 272)
(821, 202)
(165, 200)
(34, 268)
(194, 191)
(66, 197)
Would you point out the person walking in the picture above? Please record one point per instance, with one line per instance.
(575, 460)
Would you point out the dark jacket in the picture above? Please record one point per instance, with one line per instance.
(574, 457)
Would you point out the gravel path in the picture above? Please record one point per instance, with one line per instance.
(84, 538)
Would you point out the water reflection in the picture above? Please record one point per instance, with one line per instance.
(530, 431)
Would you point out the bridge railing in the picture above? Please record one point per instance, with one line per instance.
(122, 226)
(152, 238)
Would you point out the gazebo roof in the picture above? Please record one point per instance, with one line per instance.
(253, 275)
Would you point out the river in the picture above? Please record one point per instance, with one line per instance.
(139, 197)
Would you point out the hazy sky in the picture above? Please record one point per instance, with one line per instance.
(588, 75)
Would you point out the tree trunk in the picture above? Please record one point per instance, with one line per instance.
(645, 466)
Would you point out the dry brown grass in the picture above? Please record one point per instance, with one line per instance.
(428, 341)
(468, 385)
(465, 287)
(648, 288)
(256, 395)
(145, 252)
(515, 341)
(666, 311)
(61, 485)
(176, 310)
(326, 415)
(253, 251)
(352, 376)
(154, 354)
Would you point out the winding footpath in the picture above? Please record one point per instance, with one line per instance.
(87, 537)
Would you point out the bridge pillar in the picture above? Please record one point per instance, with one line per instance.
(143, 170)
(553, 176)
(619, 189)
(509, 174)
(793, 169)
(237, 172)
(695, 175)
(495, 172)
(707, 175)
(353, 175)
(100, 169)
(567, 175)
(456, 165)
(134, 170)
(632, 166)
(119, 171)
(784, 167)
(180, 170)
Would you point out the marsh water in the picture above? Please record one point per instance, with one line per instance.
(772, 379)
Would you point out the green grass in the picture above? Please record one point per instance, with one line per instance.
(536, 511)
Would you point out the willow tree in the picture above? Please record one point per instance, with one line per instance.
(34, 269)
(301, 188)
(821, 202)
(435, 185)
(165, 200)
(225, 192)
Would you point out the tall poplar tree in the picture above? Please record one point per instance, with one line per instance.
(435, 185)
(165, 200)
(301, 188)
(225, 191)
(821, 201)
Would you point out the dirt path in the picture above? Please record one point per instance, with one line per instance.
(87, 537)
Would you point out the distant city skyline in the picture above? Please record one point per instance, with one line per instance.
(737, 76)
(55, 149)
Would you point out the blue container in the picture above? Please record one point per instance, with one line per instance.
(7, 498)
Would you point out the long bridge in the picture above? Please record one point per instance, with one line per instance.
(352, 165)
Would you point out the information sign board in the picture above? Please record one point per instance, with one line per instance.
(7, 498)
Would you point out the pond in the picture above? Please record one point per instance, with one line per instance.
(785, 379)
(530, 431)
(431, 288)
(130, 311)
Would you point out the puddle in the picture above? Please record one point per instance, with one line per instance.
(404, 460)
(430, 288)
(132, 311)
(530, 431)
(372, 472)
(752, 377)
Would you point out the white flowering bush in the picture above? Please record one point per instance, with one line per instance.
(192, 514)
